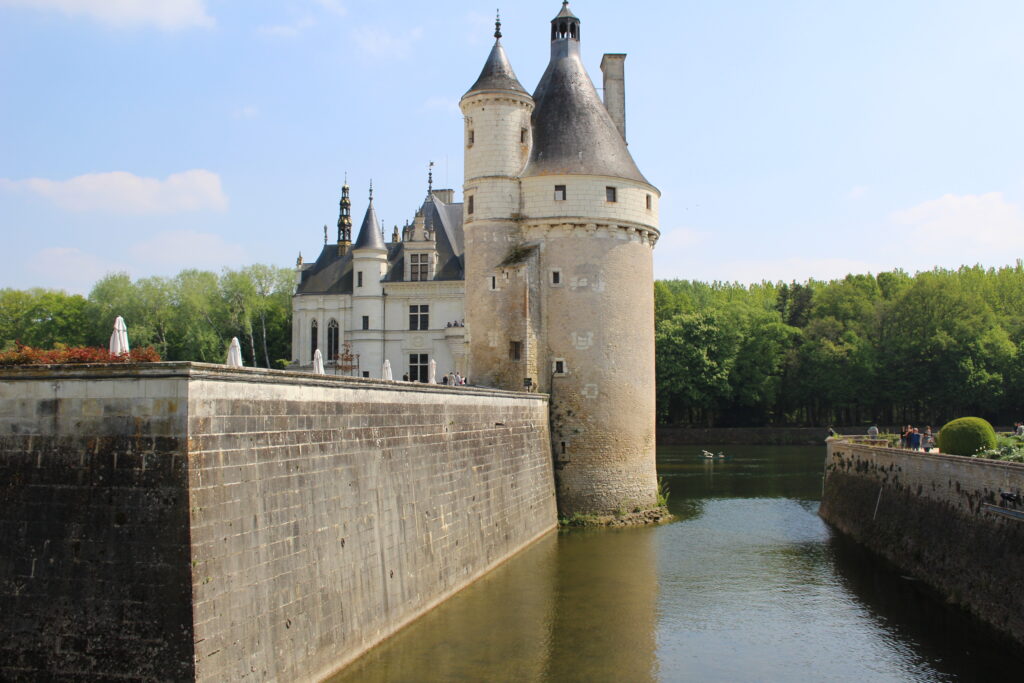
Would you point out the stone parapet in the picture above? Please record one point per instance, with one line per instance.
(182, 520)
(940, 518)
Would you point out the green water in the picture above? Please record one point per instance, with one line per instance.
(748, 585)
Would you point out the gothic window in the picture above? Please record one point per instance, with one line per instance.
(332, 340)
(559, 193)
(419, 317)
(515, 350)
(314, 338)
(366, 322)
(418, 370)
(418, 267)
(610, 194)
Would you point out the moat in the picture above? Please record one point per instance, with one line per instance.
(748, 584)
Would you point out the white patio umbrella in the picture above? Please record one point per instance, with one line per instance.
(433, 371)
(119, 338)
(386, 374)
(235, 354)
(318, 363)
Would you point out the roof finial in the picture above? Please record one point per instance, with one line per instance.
(430, 179)
(325, 233)
(497, 24)
(371, 190)
(346, 177)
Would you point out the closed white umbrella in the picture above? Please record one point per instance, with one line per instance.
(119, 338)
(433, 371)
(318, 363)
(386, 374)
(235, 354)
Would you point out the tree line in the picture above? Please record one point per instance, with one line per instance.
(191, 316)
(890, 348)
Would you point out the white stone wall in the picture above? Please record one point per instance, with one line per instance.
(586, 197)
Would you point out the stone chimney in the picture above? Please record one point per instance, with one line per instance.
(446, 196)
(613, 66)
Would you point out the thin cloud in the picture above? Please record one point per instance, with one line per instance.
(377, 42)
(168, 15)
(985, 220)
(857, 192)
(127, 193)
(334, 7)
(287, 30)
(70, 268)
(175, 250)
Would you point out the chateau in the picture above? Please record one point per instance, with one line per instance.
(547, 262)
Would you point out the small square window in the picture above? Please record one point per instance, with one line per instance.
(366, 322)
(556, 277)
(648, 202)
(559, 193)
(558, 366)
(515, 350)
(366, 373)
(610, 194)
(469, 204)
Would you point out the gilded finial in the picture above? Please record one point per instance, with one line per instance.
(497, 24)
(298, 261)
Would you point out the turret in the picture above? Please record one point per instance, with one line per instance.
(497, 113)
(369, 264)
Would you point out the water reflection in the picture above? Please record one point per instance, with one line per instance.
(748, 584)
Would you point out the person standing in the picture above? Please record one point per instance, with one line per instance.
(915, 439)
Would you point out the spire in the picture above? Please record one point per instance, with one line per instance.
(497, 73)
(345, 215)
(369, 233)
(573, 133)
(430, 179)
(497, 25)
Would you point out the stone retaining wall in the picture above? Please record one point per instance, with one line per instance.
(177, 521)
(926, 514)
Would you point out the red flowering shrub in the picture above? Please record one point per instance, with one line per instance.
(26, 355)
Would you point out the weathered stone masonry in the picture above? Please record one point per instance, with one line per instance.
(925, 513)
(182, 520)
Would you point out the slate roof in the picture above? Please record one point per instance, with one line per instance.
(369, 232)
(497, 73)
(331, 273)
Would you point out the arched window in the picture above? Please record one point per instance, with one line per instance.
(314, 338)
(333, 347)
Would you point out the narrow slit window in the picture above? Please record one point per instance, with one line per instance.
(469, 204)
(556, 277)
(366, 322)
(610, 194)
(522, 135)
(359, 279)
(559, 193)
(648, 202)
(494, 283)
(515, 350)
(472, 138)
(563, 448)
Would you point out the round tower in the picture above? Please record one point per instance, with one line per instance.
(496, 110)
(369, 265)
(594, 219)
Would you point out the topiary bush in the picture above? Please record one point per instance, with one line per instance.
(966, 436)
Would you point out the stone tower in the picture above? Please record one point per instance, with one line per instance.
(496, 110)
(559, 284)
(369, 263)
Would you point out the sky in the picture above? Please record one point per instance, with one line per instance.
(790, 140)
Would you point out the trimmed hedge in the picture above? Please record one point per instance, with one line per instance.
(966, 436)
(26, 355)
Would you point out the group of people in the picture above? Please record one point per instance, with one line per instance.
(453, 379)
(456, 323)
(916, 440)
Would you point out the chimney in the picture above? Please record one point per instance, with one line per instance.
(613, 66)
(446, 196)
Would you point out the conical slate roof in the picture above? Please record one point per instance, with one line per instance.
(497, 73)
(573, 133)
(369, 232)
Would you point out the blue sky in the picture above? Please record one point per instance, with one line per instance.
(790, 140)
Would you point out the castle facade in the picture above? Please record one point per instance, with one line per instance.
(548, 260)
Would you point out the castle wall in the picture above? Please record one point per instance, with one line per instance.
(926, 513)
(230, 523)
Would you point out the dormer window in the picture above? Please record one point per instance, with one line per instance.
(419, 267)
(559, 193)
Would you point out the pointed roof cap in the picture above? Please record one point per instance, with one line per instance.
(369, 232)
(566, 12)
(497, 73)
